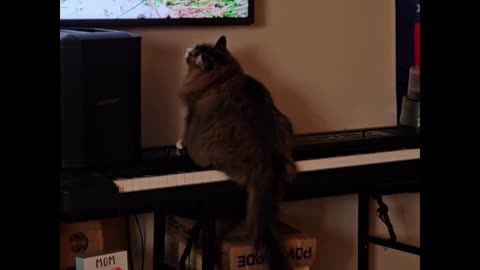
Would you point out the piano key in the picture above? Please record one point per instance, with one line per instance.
(211, 176)
(188, 178)
(196, 178)
(171, 180)
(129, 185)
(180, 179)
(121, 185)
(146, 182)
(136, 184)
(156, 183)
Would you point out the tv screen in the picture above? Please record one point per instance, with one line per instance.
(101, 13)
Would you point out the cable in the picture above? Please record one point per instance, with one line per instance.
(192, 236)
(382, 213)
(141, 240)
(129, 243)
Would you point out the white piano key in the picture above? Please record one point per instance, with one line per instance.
(121, 186)
(188, 179)
(154, 182)
(171, 180)
(146, 183)
(136, 184)
(180, 179)
(195, 178)
(209, 176)
(124, 185)
(205, 177)
(128, 185)
(198, 178)
(163, 181)
(219, 176)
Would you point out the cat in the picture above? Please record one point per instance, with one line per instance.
(233, 125)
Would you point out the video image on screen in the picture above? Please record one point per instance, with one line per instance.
(152, 9)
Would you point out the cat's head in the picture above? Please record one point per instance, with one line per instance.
(208, 57)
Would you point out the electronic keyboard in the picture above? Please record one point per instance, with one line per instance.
(142, 183)
(328, 163)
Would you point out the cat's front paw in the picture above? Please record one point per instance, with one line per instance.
(179, 144)
(181, 148)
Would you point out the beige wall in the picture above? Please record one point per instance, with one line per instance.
(329, 66)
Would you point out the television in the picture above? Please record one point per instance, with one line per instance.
(126, 13)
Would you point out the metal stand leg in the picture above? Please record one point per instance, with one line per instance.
(158, 240)
(208, 241)
(363, 200)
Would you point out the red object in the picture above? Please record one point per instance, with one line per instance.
(417, 44)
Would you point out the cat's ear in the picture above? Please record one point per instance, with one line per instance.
(221, 43)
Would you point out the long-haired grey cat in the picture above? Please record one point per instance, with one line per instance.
(233, 124)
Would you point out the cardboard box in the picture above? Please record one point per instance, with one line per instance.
(114, 260)
(237, 252)
(81, 238)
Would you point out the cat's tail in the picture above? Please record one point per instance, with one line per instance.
(265, 193)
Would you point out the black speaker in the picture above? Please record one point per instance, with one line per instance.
(100, 97)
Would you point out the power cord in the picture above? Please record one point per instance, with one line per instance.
(141, 240)
(382, 213)
(130, 243)
(192, 236)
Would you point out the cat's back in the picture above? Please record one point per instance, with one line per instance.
(251, 102)
(248, 91)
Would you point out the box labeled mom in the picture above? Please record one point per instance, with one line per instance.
(114, 260)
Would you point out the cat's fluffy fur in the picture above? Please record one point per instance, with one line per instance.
(233, 124)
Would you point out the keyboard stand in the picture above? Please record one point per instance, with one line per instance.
(208, 215)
